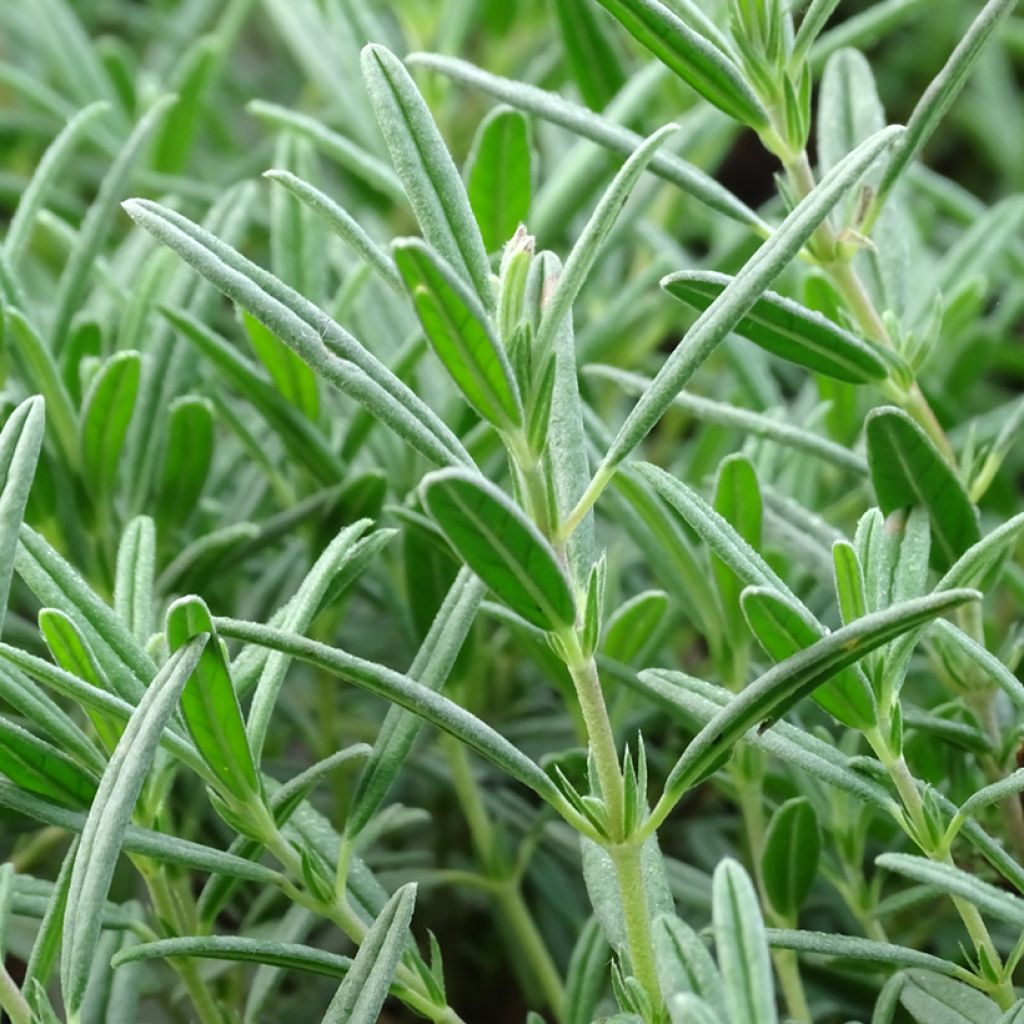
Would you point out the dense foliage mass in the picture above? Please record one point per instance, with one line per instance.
(510, 511)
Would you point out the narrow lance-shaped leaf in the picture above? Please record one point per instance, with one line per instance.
(20, 442)
(499, 175)
(633, 624)
(934, 999)
(238, 948)
(426, 168)
(106, 414)
(782, 628)
(48, 171)
(340, 221)
(787, 329)
(588, 246)
(461, 334)
(742, 946)
(323, 344)
(293, 378)
(740, 296)
(432, 707)
(103, 834)
(133, 578)
(496, 540)
(187, 458)
(696, 60)
(944, 89)
(775, 692)
(585, 123)
(209, 703)
(590, 56)
(789, 860)
(361, 996)
(38, 767)
(98, 220)
(908, 470)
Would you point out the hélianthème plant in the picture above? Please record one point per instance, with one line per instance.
(575, 582)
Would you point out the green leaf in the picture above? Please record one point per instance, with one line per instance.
(740, 296)
(106, 413)
(194, 75)
(989, 899)
(813, 21)
(40, 768)
(20, 443)
(301, 437)
(771, 695)
(323, 344)
(558, 305)
(738, 502)
(156, 845)
(933, 999)
(633, 624)
(695, 59)
(784, 629)
(585, 979)
(431, 667)
(361, 995)
(590, 56)
(209, 702)
(187, 458)
(742, 946)
(907, 470)
(787, 329)
(392, 686)
(292, 377)
(849, 578)
(460, 333)
(499, 176)
(426, 169)
(685, 965)
(789, 859)
(104, 830)
(585, 123)
(943, 90)
(80, 264)
(238, 948)
(41, 372)
(342, 150)
(133, 583)
(496, 540)
(46, 947)
(848, 947)
(342, 223)
(849, 110)
(48, 172)
(746, 422)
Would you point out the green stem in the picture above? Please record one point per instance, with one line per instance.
(169, 909)
(599, 732)
(627, 859)
(849, 284)
(12, 1002)
(507, 892)
(340, 914)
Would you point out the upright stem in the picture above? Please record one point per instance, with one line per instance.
(628, 863)
(849, 284)
(168, 908)
(599, 733)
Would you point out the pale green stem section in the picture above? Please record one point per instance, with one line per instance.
(506, 890)
(168, 908)
(12, 1002)
(337, 911)
(972, 920)
(858, 301)
(637, 917)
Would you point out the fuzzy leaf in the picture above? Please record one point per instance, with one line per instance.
(907, 470)
(499, 175)
(789, 860)
(461, 334)
(106, 413)
(787, 329)
(496, 540)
